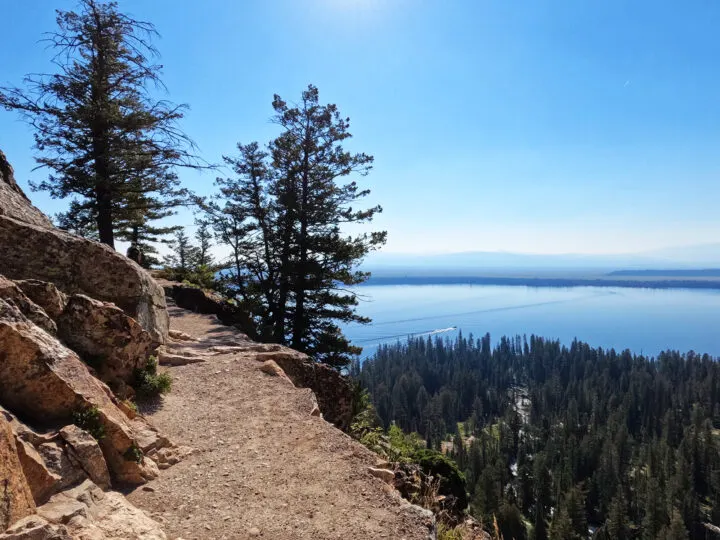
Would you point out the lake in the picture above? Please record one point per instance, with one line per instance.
(645, 321)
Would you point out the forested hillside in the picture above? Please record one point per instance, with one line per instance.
(557, 440)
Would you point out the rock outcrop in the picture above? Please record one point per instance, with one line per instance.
(51, 255)
(16, 500)
(44, 294)
(59, 464)
(333, 391)
(114, 344)
(10, 292)
(86, 512)
(84, 450)
(14, 203)
(44, 382)
(33, 248)
(66, 304)
(42, 480)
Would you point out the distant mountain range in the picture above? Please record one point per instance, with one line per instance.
(705, 256)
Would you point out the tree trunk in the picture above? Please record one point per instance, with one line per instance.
(279, 315)
(104, 215)
(301, 271)
(299, 326)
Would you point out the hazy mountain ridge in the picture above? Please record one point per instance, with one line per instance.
(686, 257)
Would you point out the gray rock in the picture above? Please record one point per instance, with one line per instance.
(114, 344)
(81, 447)
(13, 201)
(33, 249)
(44, 294)
(35, 528)
(41, 380)
(60, 466)
(10, 292)
(88, 512)
(79, 266)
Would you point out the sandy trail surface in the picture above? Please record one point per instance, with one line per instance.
(263, 467)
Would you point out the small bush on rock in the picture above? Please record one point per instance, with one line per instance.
(131, 405)
(439, 466)
(134, 453)
(150, 383)
(89, 420)
(445, 532)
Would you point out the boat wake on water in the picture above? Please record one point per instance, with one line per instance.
(409, 335)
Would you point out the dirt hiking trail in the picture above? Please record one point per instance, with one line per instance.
(263, 467)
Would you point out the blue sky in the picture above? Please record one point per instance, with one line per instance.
(542, 127)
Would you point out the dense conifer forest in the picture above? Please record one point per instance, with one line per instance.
(563, 442)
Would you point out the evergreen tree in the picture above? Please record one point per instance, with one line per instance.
(203, 236)
(244, 219)
(285, 217)
(618, 522)
(182, 260)
(510, 522)
(561, 527)
(110, 145)
(611, 438)
(655, 513)
(543, 502)
(676, 530)
(311, 165)
(78, 220)
(134, 226)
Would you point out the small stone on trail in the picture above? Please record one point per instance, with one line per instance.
(254, 531)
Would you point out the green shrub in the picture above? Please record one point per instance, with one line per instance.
(438, 465)
(403, 446)
(134, 453)
(150, 383)
(445, 532)
(131, 405)
(89, 420)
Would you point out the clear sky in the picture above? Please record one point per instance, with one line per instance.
(551, 126)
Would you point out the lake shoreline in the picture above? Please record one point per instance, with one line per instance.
(644, 320)
(558, 282)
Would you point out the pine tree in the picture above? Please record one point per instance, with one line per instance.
(311, 165)
(133, 225)
(655, 514)
(676, 530)
(542, 495)
(183, 258)
(561, 527)
(203, 236)
(575, 504)
(78, 220)
(110, 146)
(284, 218)
(243, 218)
(617, 525)
(510, 522)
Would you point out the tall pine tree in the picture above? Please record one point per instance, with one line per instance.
(106, 140)
(285, 216)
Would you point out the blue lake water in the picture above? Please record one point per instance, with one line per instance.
(643, 320)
